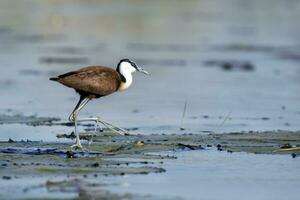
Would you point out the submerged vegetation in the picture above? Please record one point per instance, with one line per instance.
(110, 154)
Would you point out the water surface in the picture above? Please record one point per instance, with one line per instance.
(174, 42)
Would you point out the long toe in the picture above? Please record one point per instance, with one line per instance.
(77, 146)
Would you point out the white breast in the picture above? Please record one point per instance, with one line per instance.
(126, 70)
(128, 82)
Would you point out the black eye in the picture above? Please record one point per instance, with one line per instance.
(133, 64)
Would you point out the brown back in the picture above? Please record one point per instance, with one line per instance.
(94, 79)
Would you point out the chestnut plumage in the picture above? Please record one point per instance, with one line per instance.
(95, 82)
(91, 82)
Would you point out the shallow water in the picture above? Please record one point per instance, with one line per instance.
(104, 32)
(214, 175)
(174, 42)
(207, 174)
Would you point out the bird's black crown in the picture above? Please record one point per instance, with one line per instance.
(126, 60)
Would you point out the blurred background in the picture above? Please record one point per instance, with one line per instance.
(235, 63)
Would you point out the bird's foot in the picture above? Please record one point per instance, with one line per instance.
(78, 146)
(108, 125)
(112, 127)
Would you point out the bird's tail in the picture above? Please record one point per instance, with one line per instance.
(54, 79)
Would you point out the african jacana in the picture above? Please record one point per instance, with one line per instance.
(94, 82)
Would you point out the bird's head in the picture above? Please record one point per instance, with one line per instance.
(128, 66)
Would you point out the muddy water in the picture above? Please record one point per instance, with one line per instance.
(236, 64)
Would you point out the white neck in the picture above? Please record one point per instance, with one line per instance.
(128, 76)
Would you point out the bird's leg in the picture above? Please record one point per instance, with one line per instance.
(77, 145)
(95, 132)
(110, 126)
(113, 127)
(97, 125)
(81, 103)
(73, 117)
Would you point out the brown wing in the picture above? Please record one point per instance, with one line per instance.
(94, 79)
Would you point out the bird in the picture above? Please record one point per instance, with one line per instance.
(94, 82)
